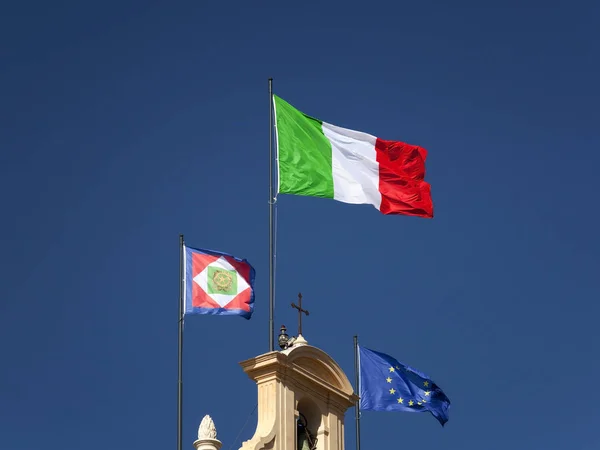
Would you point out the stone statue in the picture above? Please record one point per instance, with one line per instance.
(207, 429)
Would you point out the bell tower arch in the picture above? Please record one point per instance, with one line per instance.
(303, 395)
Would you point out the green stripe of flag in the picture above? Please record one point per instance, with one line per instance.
(304, 153)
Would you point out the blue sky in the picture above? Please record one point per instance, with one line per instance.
(126, 123)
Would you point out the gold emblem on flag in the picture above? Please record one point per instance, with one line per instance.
(222, 280)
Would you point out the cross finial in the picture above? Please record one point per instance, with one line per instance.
(300, 311)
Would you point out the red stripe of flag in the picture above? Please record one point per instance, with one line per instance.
(401, 179)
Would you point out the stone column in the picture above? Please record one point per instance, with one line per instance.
(207, 435)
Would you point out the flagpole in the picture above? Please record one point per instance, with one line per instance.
(271, 257)
(180, 352)
(357, 387)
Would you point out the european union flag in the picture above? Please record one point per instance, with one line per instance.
(386, 384)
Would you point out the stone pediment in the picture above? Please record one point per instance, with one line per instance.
(319, 365)
(303, 363)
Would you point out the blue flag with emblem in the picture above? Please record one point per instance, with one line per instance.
(386, 384)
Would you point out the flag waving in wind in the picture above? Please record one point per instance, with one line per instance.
(386, 384)
(318, 159)
(217, 283)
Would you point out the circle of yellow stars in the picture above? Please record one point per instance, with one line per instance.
(400, 400)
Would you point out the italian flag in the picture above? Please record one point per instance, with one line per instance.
(318, 159)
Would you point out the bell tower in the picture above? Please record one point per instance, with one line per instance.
(303, 395)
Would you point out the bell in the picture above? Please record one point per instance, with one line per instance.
(304, 440)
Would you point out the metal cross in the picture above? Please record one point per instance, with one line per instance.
(300, 311)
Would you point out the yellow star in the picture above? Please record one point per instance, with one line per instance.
(411, 403)
(397, 367)
(423, 401)
(388, 379)
(391, 369)
(392, 391)
(419, 403)
(400, 400)
(427, 393)
(425, 383)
